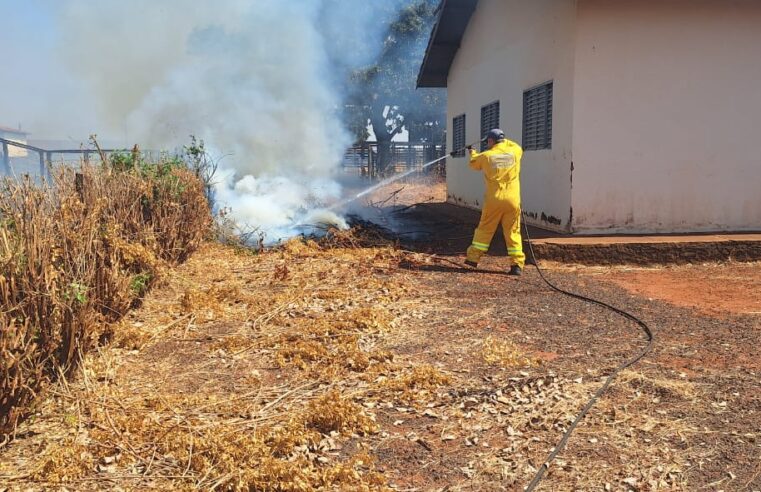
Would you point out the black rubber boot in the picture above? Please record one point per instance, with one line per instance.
(515, 271)
(471, 263)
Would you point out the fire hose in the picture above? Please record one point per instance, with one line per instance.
(608, 380)
(616, 371)
(630, 362)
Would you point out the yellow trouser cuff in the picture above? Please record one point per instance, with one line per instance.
(480, 246)
(474, 255)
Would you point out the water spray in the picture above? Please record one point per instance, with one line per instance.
(328, 216)
(395, 178)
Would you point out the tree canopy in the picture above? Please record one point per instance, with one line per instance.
(385, 95)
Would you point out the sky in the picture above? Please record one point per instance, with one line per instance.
(43, 90)
(37, 92)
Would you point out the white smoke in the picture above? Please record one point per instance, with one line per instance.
(255, 79)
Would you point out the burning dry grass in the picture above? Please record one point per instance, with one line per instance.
(75, 256)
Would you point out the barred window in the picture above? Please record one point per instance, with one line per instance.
(537, 117)
(489, 120)
(458, 135)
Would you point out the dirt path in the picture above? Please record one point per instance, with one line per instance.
(363, 368)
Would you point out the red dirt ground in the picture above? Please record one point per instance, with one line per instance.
(712, 289)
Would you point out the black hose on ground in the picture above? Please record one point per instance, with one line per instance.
(650, 339)
(645, 328)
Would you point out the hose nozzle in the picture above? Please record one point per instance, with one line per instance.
(467, 147)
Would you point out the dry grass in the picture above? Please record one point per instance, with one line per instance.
(636, 430)
(506, 354)
(195, 453)
(75, 256)
(284, 434)
(416, 385)
(309, 368)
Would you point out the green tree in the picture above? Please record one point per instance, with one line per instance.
(385, 95)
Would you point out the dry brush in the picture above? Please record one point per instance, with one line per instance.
(75, 255)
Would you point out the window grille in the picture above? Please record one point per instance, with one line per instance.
(537, 118)
(458, 135)
(489, 120)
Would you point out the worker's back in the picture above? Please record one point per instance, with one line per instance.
(501, 166)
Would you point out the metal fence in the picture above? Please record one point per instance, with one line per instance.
(360, 159)
(37, 161)
(363, 159)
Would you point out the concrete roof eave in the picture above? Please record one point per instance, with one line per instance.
(450, 26)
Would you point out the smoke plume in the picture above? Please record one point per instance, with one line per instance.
(257, 80)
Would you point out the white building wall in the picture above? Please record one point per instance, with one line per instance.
(667, 116)
(511, 46)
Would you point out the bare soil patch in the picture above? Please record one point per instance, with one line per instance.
(711, 288)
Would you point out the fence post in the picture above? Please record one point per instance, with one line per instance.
(49, 165)
(79, 185)
(369, 160)
(6, 159)
(362, 155)
(42, 164)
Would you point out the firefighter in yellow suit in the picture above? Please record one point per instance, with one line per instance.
(501, 165)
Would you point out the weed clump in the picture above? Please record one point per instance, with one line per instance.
(76, 254)
(331, 413)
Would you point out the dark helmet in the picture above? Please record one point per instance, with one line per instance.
(496, 134)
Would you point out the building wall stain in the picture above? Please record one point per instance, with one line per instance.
(536, 216)
(462, 202)
(570, 213)
(551, 219)
(543, 218)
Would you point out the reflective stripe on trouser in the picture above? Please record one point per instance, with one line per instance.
(494, 214)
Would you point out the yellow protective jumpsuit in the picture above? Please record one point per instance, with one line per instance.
(501, 166)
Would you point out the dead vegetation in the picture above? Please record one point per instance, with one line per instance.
(299, 356)
(505, 353)
(75, 256)
(323, 365)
